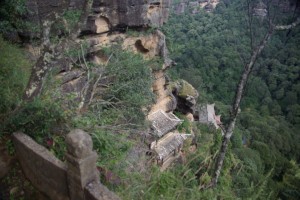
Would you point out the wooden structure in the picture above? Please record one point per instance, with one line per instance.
(163, 123)
(168, 147)
(167, 142)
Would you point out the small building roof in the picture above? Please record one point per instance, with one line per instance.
(168, 144)
(163, 122)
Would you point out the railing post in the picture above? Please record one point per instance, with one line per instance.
(81, 163)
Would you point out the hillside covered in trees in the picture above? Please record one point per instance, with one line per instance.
(210, 50)
(103, 79)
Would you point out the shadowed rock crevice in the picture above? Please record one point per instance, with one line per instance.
(140, 48)
(96, 25)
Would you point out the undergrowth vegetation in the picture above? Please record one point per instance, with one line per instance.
(185, 180)
(263, 157)
(14, 74)
(10, 16)
(118, 113)
(132, 82)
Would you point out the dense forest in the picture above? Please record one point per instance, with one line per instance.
(210, 50)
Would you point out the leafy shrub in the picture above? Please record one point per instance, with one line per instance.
(111, 147)
(117, 111)
(10, 15)
(156, 64)
(130, 89)
(36, 119)
(72, 17)
(185, 126)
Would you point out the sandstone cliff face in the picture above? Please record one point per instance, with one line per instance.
(109, 14)
(132, 12)
(150, 45)
(165, 100)
(41, 10)
(193, 6)
(106, 23)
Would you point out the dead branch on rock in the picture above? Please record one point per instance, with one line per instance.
(52, 52)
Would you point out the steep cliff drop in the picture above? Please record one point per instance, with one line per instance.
(72, 38)
(100, 23)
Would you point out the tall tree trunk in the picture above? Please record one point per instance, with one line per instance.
(239, 94)
(236, 106)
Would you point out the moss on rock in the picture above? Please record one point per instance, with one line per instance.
(184, 89)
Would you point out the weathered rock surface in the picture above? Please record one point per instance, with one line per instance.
(96, 191)
(112, 15)
(186, 96)
(151, 45)
(106, 15)
(132, 12)
(165, 100)
(193, 6)
(40, 11)
(106, 24)
(78, 144)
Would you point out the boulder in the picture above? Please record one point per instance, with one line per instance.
(184, 89)
(186, 96)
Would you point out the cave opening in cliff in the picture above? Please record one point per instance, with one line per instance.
(102, 24)
(155, 4)
(140, 48)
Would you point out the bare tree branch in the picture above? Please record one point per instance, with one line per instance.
(287, 27)
(97, 81)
